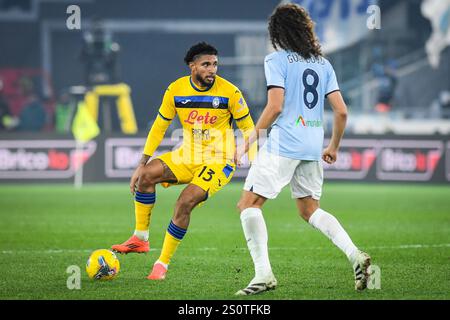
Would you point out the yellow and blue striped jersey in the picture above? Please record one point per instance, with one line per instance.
(206, 117)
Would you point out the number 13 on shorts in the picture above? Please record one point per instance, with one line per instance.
(213, 177)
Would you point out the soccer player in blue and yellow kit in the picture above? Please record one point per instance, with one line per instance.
(206, 104)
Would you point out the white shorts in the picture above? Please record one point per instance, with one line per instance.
(269, 173)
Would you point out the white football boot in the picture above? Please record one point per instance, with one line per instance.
(257, 286)
(360, 268)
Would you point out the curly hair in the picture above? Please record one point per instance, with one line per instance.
(197, 49)
(291, 28)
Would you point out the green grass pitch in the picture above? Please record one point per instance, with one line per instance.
(44, 229)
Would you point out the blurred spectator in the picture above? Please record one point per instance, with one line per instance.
(440, 108)
(7, 121)
(99, 55)
(385, 72)
(387, 84)
(33, 115)
(445, 104)
(63, 114)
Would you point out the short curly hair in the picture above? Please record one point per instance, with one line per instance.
(198, 49)
(291, 28)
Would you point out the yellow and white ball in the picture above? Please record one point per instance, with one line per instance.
(102, 264)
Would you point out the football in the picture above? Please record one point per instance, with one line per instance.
(102, 264)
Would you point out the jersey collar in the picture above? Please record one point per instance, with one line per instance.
(198, 89)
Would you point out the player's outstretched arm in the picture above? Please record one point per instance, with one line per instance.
(339, 121)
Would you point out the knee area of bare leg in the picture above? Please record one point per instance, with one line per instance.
(242, 205)
(184, 205)
(307, 211)
(146, 179)
(245, 204)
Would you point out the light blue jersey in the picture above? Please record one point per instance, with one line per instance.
(298, 131)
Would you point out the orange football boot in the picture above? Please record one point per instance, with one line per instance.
(158, 272)
(134, 244)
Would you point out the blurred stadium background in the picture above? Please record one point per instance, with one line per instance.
(395, 80)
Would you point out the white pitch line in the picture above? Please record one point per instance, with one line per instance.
(52, 251)
(413, 246)
(404, 246)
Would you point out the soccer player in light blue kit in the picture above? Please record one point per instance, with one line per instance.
(299, 79)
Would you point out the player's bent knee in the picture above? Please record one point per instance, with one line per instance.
(242, 205)
(306, 214)
(147, 178)
(247, 203)
(184, 206)
(250, 200)
(307, 210)
(306, 207)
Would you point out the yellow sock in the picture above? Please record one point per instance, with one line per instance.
(173, 237)
(143, 213)
(143, 205)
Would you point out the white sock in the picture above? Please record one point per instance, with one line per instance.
(255, 233)
(160, 262)
(330, 227)
(143, 235)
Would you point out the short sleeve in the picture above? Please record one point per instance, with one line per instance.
(332, 84)
(275, 71)
(167, 109)
(238, 107)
